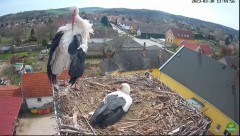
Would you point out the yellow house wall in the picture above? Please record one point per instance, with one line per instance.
(168, 37)
(175, 41)
(209, 110)
(179, 40)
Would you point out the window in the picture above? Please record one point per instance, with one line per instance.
(218, 127)
(39, 100)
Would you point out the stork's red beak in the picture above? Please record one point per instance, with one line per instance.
(73, 19)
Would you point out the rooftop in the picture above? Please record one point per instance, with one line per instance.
(37, 84)
(182, 33)
(186, 44)
(9, 109)
(208, 78)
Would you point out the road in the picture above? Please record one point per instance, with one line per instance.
(140, 41)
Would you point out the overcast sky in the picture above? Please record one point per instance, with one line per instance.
(226, 14)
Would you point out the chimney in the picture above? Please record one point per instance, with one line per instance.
(199, 50)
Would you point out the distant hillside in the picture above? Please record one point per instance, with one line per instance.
(160, 17)
(91, 9)
(34, 14)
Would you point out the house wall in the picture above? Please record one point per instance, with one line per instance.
(179, 40)
(170, 39)
(33, 102)
(209, 110)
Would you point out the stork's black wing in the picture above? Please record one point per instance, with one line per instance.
(54, 45)
(108, 112)
(75, 43)
(78, 57)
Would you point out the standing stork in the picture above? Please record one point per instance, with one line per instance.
(69, 47)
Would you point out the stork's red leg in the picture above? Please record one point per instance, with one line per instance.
(76, 88)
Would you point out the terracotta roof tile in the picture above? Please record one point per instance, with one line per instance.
(182, 33)
(9, 109)
(205, 49)
(188, 45)
(38, 85)
(10, 91)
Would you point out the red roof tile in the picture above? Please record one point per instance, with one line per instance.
(10, 91)
(9, 109)
(188, 45)
(205, 49)
(183, 34)
(38, 85)
(230, 46)
(60, 22)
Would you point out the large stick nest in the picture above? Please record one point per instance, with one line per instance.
(156, 109)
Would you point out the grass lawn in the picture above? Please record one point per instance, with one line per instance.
(7, 56)
(8, 72)
(5, 41)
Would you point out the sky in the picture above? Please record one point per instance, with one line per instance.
(224, 13)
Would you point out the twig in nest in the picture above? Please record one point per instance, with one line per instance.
(85, 119)
(72, 128)
(129, 126)
(141, 119)
(91, 82)
(120, 81)
(73, 131)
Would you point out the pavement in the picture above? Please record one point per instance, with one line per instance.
(34, 124)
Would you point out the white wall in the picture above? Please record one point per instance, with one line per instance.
(33, 102)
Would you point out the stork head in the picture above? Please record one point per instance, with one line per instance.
(74, 11)
(124, 87)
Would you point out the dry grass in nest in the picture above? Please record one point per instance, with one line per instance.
(155, 109)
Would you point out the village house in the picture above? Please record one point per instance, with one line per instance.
(102, 36)
(175, 36)
(10, 104)
(148, 31)
(192, 46)
(232, 48)
(98, 40)
(128, 56)
(202, 48)
(207, 84)
(36, 89)
(205, 49)
(231, 61)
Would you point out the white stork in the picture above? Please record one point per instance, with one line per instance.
(112, 108)
(69, 47)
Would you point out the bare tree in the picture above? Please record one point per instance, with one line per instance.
(205, 32)
(50, 30)
(218, 34)
(17, 33)
(41, 30)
